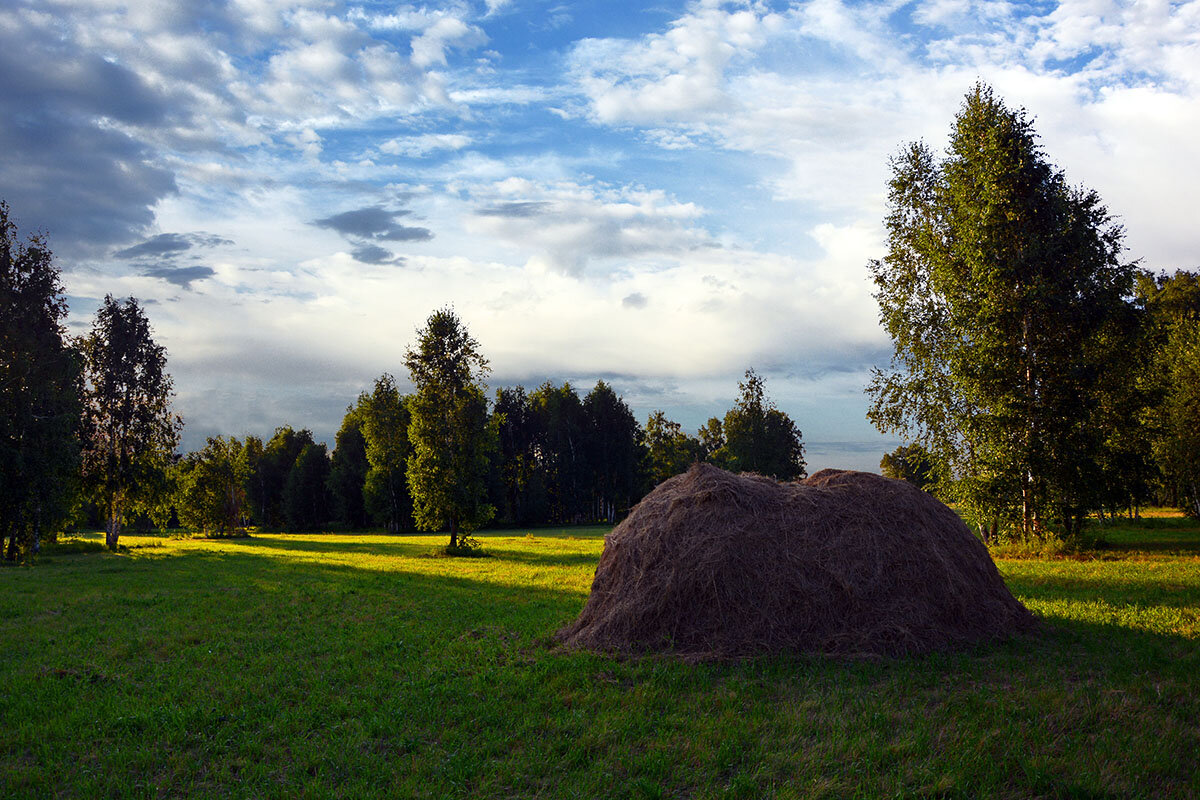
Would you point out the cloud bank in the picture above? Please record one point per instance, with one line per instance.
(296, 186)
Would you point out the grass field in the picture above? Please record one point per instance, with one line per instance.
(359, 666)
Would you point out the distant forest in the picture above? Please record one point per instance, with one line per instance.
(555, 458)
(89, 438)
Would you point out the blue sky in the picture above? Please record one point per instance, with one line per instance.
(657, 196)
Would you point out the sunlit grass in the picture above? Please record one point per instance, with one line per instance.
(365, 666)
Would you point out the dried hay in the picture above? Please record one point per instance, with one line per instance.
(715, 565)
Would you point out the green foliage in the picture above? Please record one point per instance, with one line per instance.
(669, 451)
(305, 502)
(1171, 383)
(348, 472)
(1171, 299)
(912, 463)
(466, 547)
(1177, 419)
(613, 452)
(712, 439)
(211, 487)
(385, 419)
(755, 436)
(561, 445)
(130, 434)
(563, 459)
(1005, 300)
(450, 430)
(270, 467)
(39, 395)
(519, 484)
(256, 484)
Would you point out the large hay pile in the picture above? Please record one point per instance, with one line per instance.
(712, 564)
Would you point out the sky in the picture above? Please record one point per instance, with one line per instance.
(660, 196)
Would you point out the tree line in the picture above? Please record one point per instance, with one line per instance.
(88, 436)
(529, 457)
(1037, 377)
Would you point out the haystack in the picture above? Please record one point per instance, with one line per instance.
(713, 565)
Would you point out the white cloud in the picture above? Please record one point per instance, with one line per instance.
(563, 227)
(1118, 119)
(677, 75)
(430, 47)
(424, 144)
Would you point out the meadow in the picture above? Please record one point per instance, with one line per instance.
(363, 666)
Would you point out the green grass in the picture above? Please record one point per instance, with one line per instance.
(360, 666)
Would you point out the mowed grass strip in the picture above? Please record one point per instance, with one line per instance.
(360, 666)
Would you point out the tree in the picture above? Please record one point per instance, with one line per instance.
(256, 485)
(385, 421)
(560, 447)
(669, 451)
(1172, 382)
(712, 439)
(269, 479)
(613, 452)
(305, 503)
(130, 432)
(520, 485)
(1177, 445)
(911, 463)
(757, 436)
(1003, 294)
(39, 394)
(348, 471)
(1171, 299)
(211, 486)
(450, 430)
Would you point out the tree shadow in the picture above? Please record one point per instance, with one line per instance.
(500, 546)
(544, 559)
(1158, 542)
(309, 543)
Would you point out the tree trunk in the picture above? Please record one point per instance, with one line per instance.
(453, 533)
(1026, 508)
(394, 521)
(112, 528)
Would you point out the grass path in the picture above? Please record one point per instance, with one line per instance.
(359, 666)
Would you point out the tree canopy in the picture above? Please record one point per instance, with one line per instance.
(385, 420)
(755, 436)
(39, 394)
(1003, 293)
(348, 470)
(450, 430)
(911, 463)
(130, 432)
(211, 486)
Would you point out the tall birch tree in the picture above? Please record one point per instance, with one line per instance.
(1004, 294)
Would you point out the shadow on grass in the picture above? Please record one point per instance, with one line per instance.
(398, 547)
(1150, 535)
(312, 544)
(1174, 542)
(544, 559)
